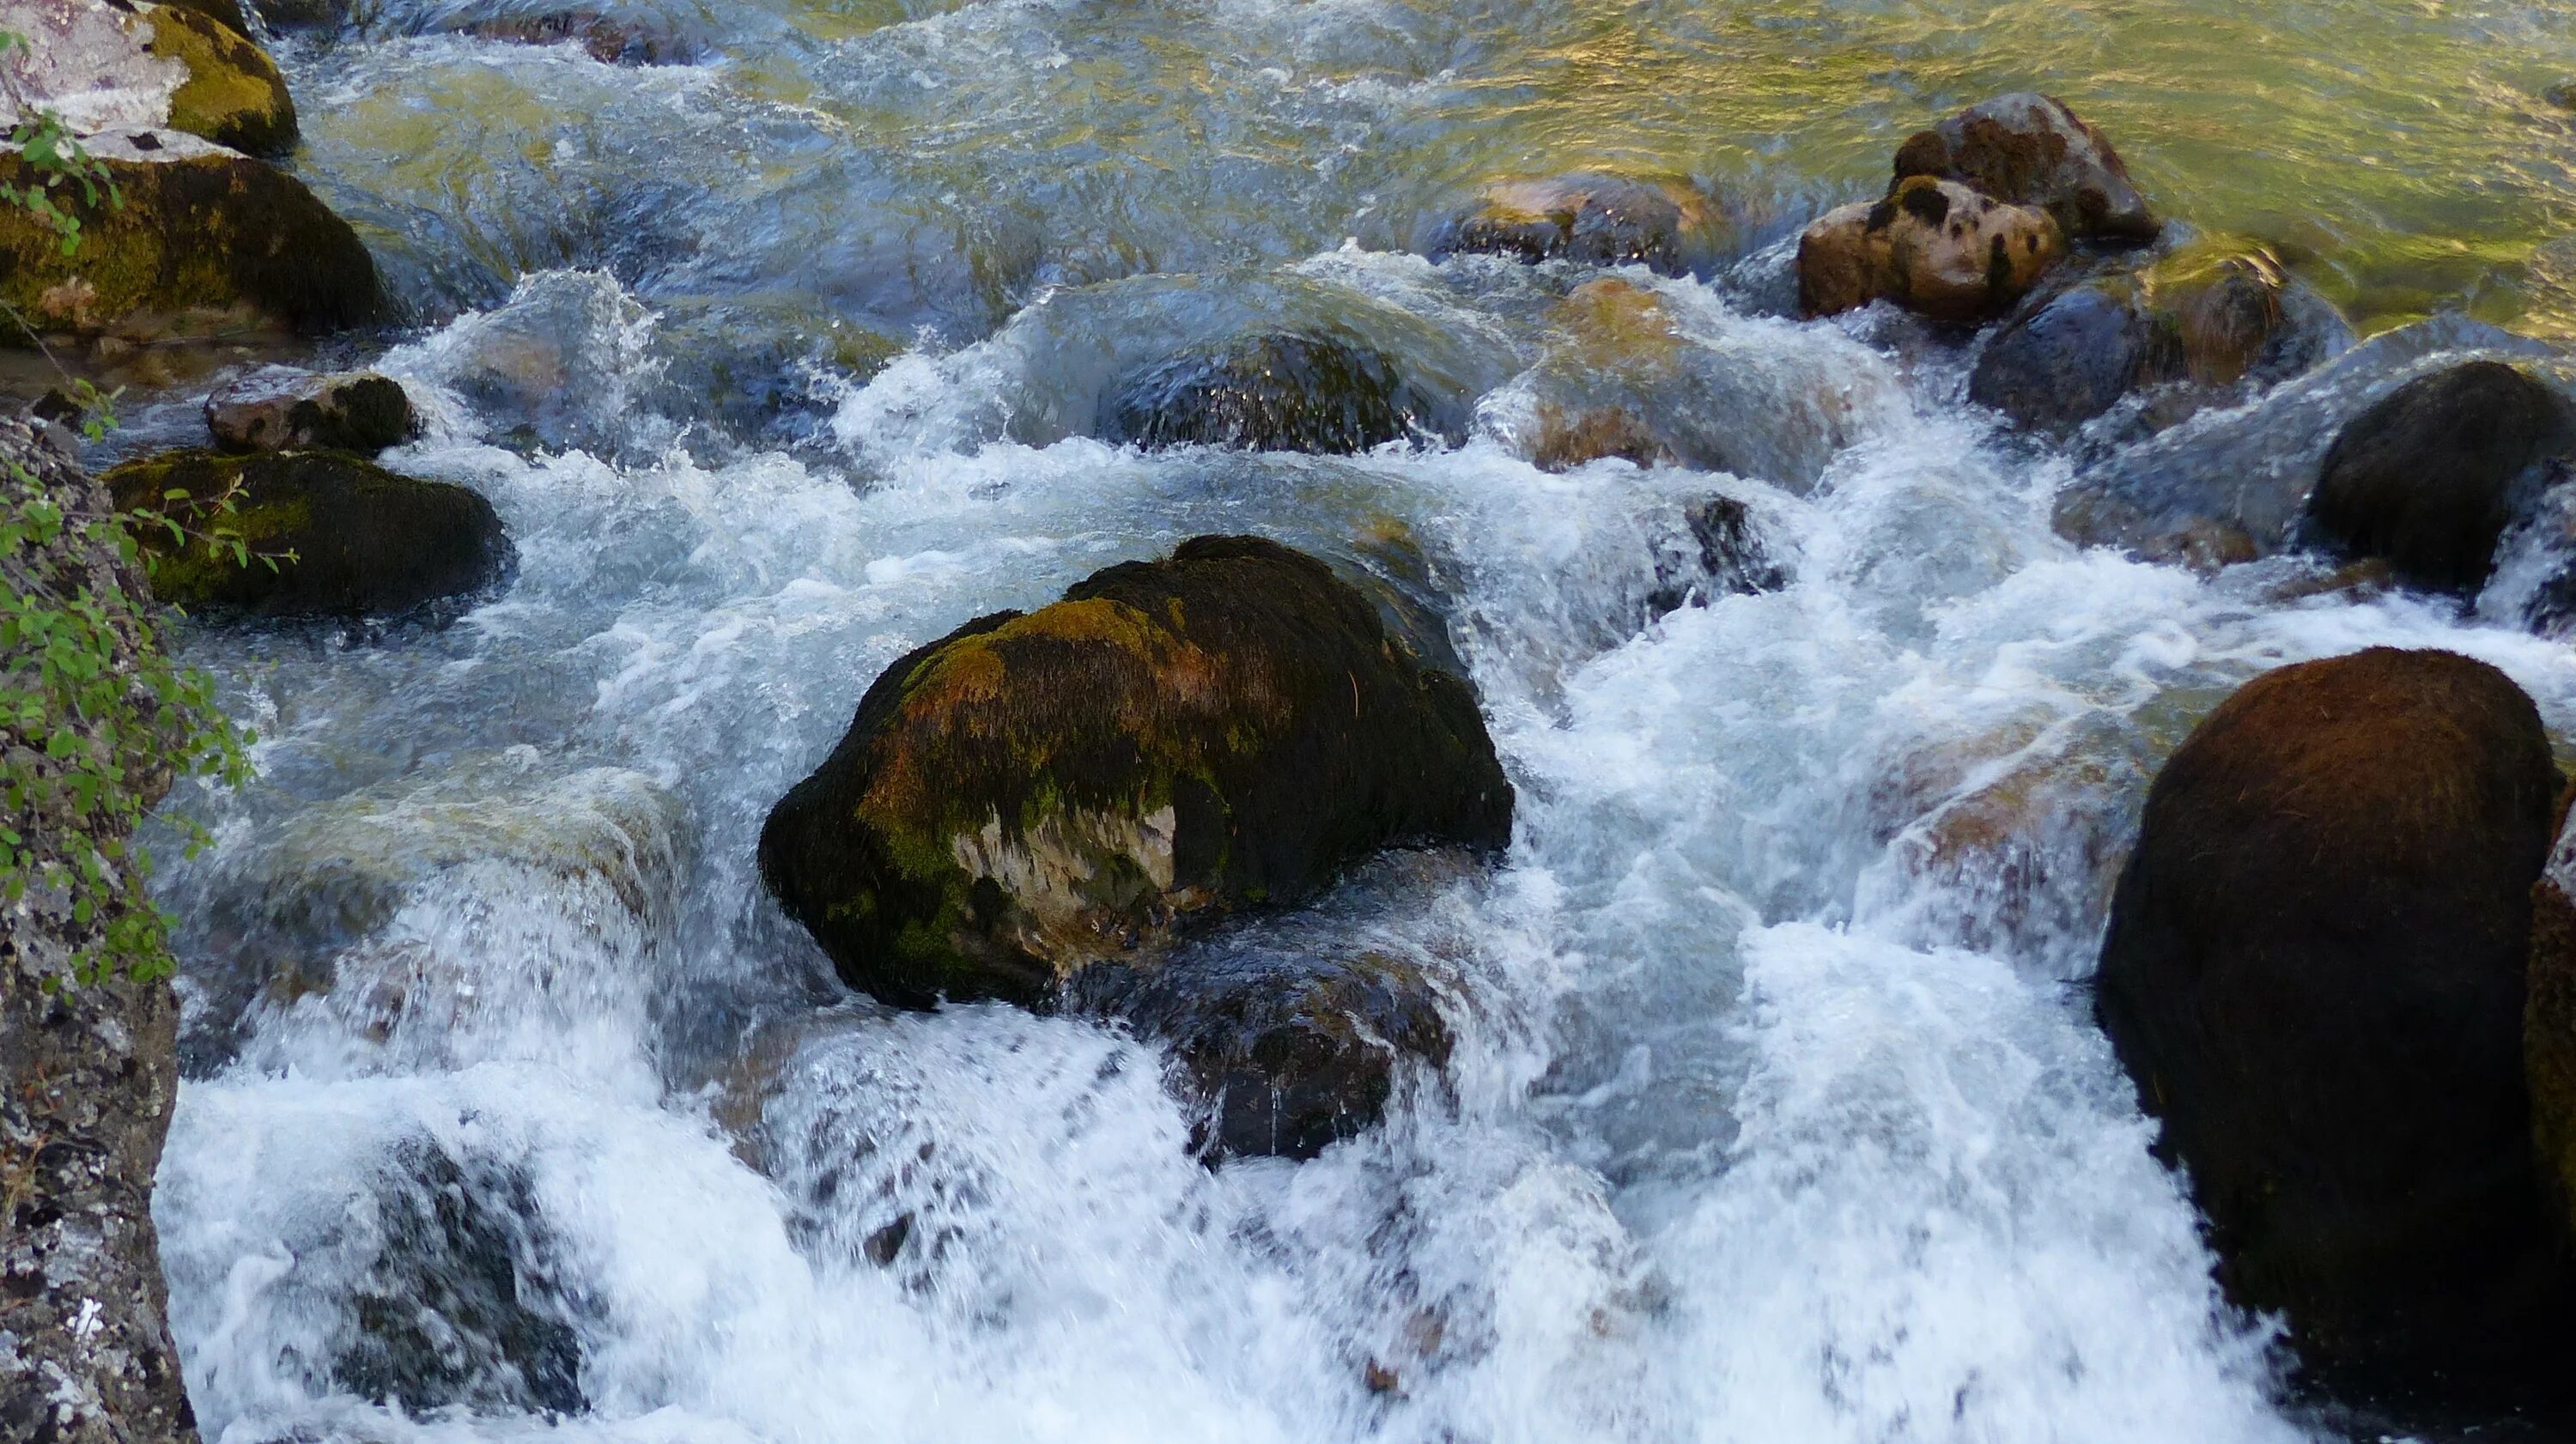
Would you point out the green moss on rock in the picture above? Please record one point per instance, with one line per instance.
(1173, 740)
(206, 232)
(234, 95)
(368, 543)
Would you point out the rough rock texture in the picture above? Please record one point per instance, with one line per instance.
(205, 237)
(1589, 217)
(1932, 246)
(2065, 363)
(87, 1076)
(368, 543)
(2430, 477)
(101, 65)
(2315, 971)
(1226, 729)
(233, 95)
(279, 408)
(2549, 1021)
(1265, 393)
(2032, 150)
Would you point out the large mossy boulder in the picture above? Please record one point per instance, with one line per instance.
(234, 95)
(2429, 478)
(2034, 150)
(1932, 246)
(2315, 972)
(1279, 392)
(1227, 729)
(203, 238)
(366, 542)
(1589, 217)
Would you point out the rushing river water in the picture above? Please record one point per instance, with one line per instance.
(1777, 1111)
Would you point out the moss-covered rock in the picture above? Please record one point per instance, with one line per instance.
(2430, 477)
(2315, 972)
(368, 543)
(1226, 729)
(233, 95)
(279, 408)
(1590, 217)
(1932, 246)
(2033, 150)
(203, 237)
(1281, 392)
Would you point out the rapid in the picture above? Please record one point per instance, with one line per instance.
(515, 1109)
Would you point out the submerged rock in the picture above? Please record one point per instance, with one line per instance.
(1175, 740)
(202, 239)
(278, 408)
(1266, 393)
(1932, 246)
(367, 543)
(1585, 216)
(459, 1306)
(2430, 477)
(2315, 972)
(2033, 150)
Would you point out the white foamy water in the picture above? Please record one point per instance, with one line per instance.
(1777, 1111)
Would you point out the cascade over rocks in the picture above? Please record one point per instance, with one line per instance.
(205, 239)
(368, 543)
(2430, 477)
(1585, 216)
(2315, 972)
(1933, 246)
(1279, 392)
(1226, 729)
(279, 408)
(2033, 150)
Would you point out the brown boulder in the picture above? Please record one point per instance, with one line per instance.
(2315, 972)
(2032, 150)
(1932, 246)
(278, 408)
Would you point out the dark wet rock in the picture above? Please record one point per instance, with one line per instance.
(2430, 476)
(1266, 393)
(2033, 150)
(1175, 740)
(1586, 216)
(306, 14)
(2232, 485)
(88, 1074)
(1726, 557)
(227, 13)
(1286, 1055)
(2065, 363)
(234, 95)
(460, 1306)
(1933, 247)
(2315, 972)
(2549, 1021)
(203, 240)
(279, 408)
(609, 39)
(367, 543)
(2562, 95)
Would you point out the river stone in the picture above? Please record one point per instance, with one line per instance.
(1281, 392)
(2032, 150)
(234, 95)
(2315, 972)
(204, 238)
(458, 1305)
(1932, 246)
(1284, 1057)
(2217, 311)
(2430, 477)
(368, 543)
(279, 408)
(1175, 740)
(2065, 363)
(2549, 1018)
(1586, 216)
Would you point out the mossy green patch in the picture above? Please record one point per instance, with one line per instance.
(234, 95)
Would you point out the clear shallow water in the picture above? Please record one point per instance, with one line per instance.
(1777, 1111)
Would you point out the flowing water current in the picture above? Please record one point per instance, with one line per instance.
(1777, 1111)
